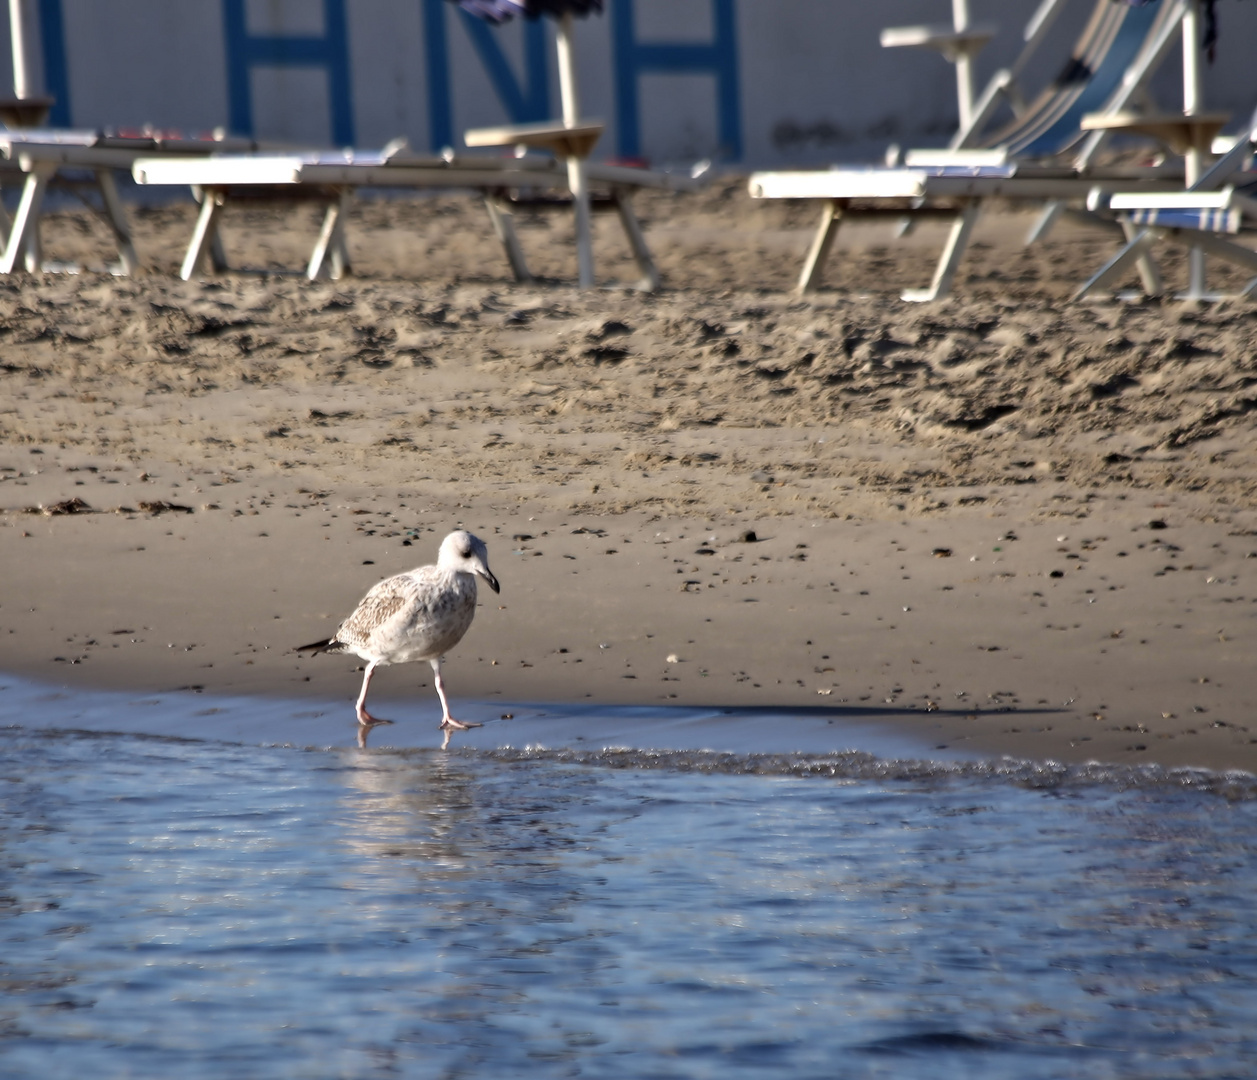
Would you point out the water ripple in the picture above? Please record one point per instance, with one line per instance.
(171, 907)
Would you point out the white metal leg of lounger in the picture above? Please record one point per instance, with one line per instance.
(831, 220)
(1216, 246)
(340, 246)
(957, 241)
(217, 253)
(636, 240)
(205, 235)
(24, 233)
(504, 228)
(1195, 274)
(905, 226)
(579, 185)
(1149, 272)
(117, 220)
(1046, 220)
(1113, 270)
(330, 246)
(1206, 243)
(1202, 244)
(1054, 210)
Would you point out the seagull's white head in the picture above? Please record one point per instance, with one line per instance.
(466, 553)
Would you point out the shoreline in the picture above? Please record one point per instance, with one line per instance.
(970, 512)
(1034, 647)
(818, 741)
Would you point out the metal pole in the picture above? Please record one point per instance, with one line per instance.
(1193, 159)
(17, 34)
(576, 180)
(964, 65)
(567, 70)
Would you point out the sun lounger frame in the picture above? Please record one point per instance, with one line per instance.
(40, 158)
(333, 178)
(966, 190)
(971, 177)
(1217, 205)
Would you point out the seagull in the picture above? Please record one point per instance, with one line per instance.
(418, 615)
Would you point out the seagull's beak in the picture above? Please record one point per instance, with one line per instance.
(487, 574)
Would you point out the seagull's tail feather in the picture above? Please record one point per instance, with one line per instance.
(329, 645)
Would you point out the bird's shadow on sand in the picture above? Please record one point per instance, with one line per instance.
(847, 714)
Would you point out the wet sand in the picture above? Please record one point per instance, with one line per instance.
(1003, 524)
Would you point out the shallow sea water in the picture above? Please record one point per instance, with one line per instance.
(209, 909)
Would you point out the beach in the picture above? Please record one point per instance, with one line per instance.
(1005, 523)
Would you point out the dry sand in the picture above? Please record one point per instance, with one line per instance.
(1003, 523)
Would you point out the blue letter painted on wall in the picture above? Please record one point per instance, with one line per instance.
(329, 51)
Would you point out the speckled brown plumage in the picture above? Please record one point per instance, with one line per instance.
(412, 616)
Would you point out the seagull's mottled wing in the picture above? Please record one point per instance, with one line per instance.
(441, 608)
(385, 601)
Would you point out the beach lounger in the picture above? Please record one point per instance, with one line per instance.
(960, 44)
(1221, 203)
(79, 161)
(1120, 47)
(565, 178)
(331, 178)
(920, 191)
(1118, 52)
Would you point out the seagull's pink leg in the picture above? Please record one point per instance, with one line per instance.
(447, 721)
(365, 718)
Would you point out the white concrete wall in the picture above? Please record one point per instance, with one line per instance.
(804, 81)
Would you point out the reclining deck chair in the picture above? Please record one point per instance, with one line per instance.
(1033, 158)
(1099, 63)
(1222, 202)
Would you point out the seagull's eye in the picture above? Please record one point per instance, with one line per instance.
(467, 553)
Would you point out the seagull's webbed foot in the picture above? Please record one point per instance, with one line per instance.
(368, 721)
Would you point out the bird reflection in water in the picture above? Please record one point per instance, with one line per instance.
(436, 817)
(413, 804)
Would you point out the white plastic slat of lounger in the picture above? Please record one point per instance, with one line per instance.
(923, 183)
(473, 172)
(375, 170)
(357, 157)
(217, 172)
(1171, 200)
(930, 159)
(877, 183)
(50, 137)
(84, 157)
(839, 184)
